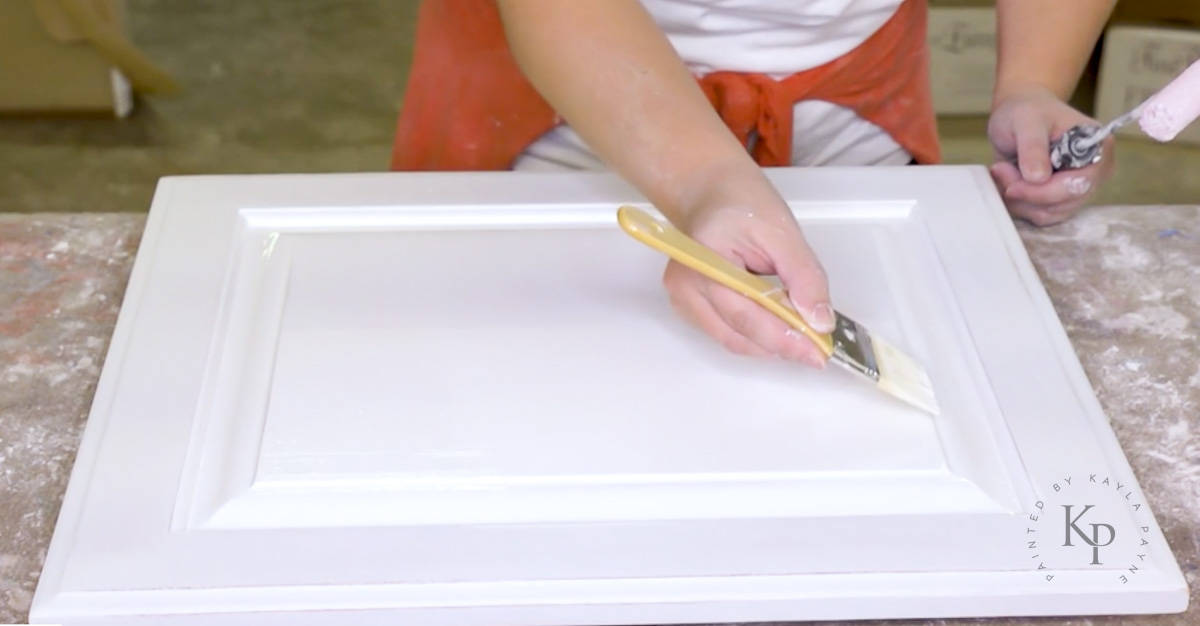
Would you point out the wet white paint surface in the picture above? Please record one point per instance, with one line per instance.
(1124, 281)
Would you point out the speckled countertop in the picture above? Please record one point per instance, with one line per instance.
(1124, 280)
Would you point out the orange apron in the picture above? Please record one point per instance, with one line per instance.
(468, 107)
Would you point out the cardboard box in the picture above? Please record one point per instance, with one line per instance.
(71, 57)
(49, 68)
(962, 43)
(1138, 61)
(1184, 12)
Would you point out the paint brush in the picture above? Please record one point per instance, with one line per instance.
(850, 345)
(1161, 116)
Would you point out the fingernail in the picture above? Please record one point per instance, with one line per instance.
(821, 318)
(1077, 185)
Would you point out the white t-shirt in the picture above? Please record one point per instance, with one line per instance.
(774, 37)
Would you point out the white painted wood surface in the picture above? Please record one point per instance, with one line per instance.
(463, 398)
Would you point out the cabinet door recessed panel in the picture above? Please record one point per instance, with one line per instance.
(497, 374)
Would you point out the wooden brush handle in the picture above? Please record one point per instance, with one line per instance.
(695, 255)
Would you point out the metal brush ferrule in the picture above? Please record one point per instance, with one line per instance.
(852, 347)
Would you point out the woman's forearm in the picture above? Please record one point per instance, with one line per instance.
(1046, 44)
(611, 73)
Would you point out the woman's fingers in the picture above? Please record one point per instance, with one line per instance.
(761, 326)
(1005, 174)
(763, 237)
(1056, 199)
(801, 274)
(1021, 128)
(737, 322)
(1043, 216)
(1032, 135)
(1065, 186)
(689, 300)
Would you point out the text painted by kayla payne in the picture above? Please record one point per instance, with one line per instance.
(1088, 523)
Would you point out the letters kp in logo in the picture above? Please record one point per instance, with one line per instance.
(1093, 540)
(1085, 525)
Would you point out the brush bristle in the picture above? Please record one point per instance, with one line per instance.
(903, 377)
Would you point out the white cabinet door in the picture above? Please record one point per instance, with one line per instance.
(463, 398)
